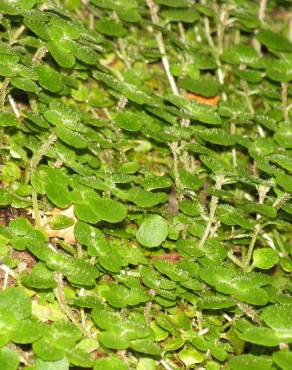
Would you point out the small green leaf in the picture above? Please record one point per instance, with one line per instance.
(153, 231)
(20, 226)
(250, 362)
(191, 356)
(285, 181)
(49, 78)
(273, 40)
(39, 278)
(9, 360)
(110, 363)
(278, 317)
(110, 28)
(72, 138)
(61, 222)
(203, 86)
(7, 119)
(129, 121)
(16, 301)
(283, 359)
(265, 258)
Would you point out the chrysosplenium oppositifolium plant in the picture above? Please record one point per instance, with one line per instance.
(145, 181)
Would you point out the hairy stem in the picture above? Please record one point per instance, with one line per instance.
(4, 90)
(159, 39)
(213, 208)
(263, 190)
(285, 109)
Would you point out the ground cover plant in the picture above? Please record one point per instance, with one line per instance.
(145, 185)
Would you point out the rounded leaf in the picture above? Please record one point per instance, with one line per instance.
(265, 258)
(9, 360)
(153, 231)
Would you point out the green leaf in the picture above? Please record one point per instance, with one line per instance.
(171, 270)
(215, 302)
(129, 121)
(203, 86)
(145, 346)
(153, 231)
(72, 138)
(39, 278)
(146, 364)
(61, 222)
(47, 351)
(258, 335)
(16, 301)
(190, 208)
(190, 356)
(218, 136)
(283, 135)
(251, 362)
(110, 363)
(52, 365)
(153, 182)
(265, 258)
(24, 84)
(64, 58)
(105, 209)
(278, 318)
(7, 119)
(61, 115)
(180, 15)
(141, 197)
(285, 181)
(28, 331)
(283, 359)
(173, 3)
(238, 54)
(20, 226)
(119, 296)
(49, 78)
(273, 40)
(9, 360)
(110, 28)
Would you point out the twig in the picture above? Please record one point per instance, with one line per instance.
(3, 93)
(263, 190)
(59, 293)
(17, 33)
(262, 10)
(174, 149)
(233, 132)
(36, 211)
(40, 53)
(279, 202)
(250, 312)
(37, 157)
(165, 365)
(213, 207)
(285, 86)
(13, 106)
(159, 39)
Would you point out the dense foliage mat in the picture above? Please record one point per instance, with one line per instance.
(145, 180)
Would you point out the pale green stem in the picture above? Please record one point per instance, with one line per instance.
(59, 293)
(213, 208)
(159, 39)
(37, 157)
(36, 211)
(263, 190)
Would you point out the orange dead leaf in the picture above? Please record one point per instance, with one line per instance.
(202, 99)
(66, 234)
